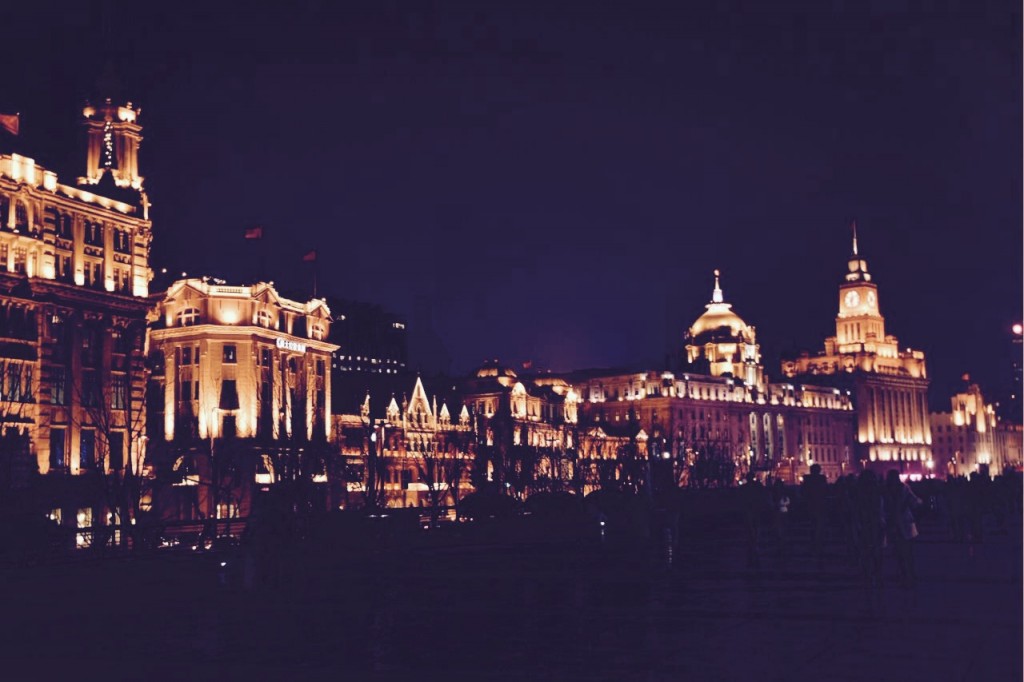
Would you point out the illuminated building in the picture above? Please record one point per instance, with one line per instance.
(725, 413)
(74, 277)
(721, 344)
(889, 386)
(527, 429)
(971, 438)
(689, 416)
(406, 450)
(371, 340)
(243, 371)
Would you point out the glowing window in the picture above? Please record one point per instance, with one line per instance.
(188, 317)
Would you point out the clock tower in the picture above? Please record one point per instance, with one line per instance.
(889, 386)
(859, 321)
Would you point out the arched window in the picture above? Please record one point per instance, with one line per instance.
(316, 331)
(265, 319)
(188, 317)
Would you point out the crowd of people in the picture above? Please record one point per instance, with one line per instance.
(867, 515)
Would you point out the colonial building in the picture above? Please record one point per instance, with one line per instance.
(247, 371)
(720, 343)
(889, 385)
(727, 419)
(412, 452)
(74, 277)
(528, 430)
(970, 437)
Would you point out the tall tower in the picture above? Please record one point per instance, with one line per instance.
(889, 386)
(113, 136)
(722, 341)
(859, 321)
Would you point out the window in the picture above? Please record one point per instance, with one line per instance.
(90, 389)
(228, 427)
(13, 383)
(26, 384)
(87, 449)
(90, 346)
(118, 392)
(93, 233)
(97, 275)
(20, 216)
(64, 268)
(230, 354)
(122, 241)
(84, 520)
(116, 451)
(188, 317)
(59, 386)
(228, 395)
(264, 319)
(20, 254)
(265, 357)
(319, 368)
(57, 459)
(186, 355)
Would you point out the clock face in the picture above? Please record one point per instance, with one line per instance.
(871, 299)
(852, 299)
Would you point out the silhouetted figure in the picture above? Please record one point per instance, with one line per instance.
(814, 493)
(956, 505)
(756, 504)
(780, 513)
(977, 501)
(846, 511)
(900, 502)
(869, 523)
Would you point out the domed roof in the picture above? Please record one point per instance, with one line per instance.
(492, 368)
(719, 315)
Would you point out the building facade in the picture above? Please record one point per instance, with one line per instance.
(971, 438)
(74, 277)
(725, 419)
(241, 369)
(889, 386)
(408, 453)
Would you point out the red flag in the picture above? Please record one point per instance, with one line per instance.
(310, 257)
(10, 122)
(254, 233)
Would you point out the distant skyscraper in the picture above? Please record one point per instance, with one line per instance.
(889, 385)
(370, 339)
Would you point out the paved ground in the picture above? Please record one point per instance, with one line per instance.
(528, 611)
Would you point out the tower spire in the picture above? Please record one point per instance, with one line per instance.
(853, 226)
(716, 295)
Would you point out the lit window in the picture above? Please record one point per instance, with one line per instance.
(188, 317)
(230, 354)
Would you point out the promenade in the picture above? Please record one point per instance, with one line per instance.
(537, 611)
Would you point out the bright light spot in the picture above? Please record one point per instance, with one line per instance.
(1018, 329)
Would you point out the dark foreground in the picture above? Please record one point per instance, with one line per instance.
(445, 608)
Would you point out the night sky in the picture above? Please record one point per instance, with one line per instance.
(557, 183)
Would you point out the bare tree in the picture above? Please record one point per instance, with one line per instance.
(115, 408)
(441, 467)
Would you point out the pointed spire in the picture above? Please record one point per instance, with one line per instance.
(716, 295)
(853, 226)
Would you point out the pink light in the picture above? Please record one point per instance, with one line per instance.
(1018, 329)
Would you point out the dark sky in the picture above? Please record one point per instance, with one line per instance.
(556, 181)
